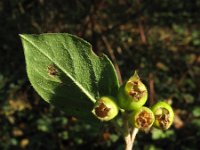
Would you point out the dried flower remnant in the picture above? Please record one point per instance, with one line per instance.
(136, 91)
(164, 115)
(142, 118)
(102, 110)
(163, 118)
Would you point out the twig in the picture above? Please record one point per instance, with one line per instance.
(151, 89)
(141, 27)
(130, 139)
(129, 145)
(129, 135)
(111, 53)
(133, 136)
(142, 34)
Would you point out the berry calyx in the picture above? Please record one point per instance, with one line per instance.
(105, 108)
(143, 118)
(133, 94)
(164, 115)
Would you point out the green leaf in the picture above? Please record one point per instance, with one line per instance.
(160, 134)
(65, 72)
(196, 111)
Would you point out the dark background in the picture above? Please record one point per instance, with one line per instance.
(161, 39)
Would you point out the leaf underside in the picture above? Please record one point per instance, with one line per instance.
(65, 72)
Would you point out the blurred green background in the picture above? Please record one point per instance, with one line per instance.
(161, 39)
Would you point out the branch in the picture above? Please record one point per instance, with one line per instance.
(151, 89)
(133, 136)
(129, 136)
(111, 53)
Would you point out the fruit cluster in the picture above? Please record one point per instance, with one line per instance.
(131, 97)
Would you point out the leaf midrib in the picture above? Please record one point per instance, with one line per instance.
(74, 81)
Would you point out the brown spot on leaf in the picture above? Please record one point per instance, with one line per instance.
(52, 70)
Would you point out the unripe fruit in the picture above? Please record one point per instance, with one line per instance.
(133, 94)
(105, 108)
(164, 115)
(143, 118)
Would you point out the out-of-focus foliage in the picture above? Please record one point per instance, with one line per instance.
(159, 38)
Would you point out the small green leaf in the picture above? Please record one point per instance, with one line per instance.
(160, 134)
(65, 72)
(196, 111)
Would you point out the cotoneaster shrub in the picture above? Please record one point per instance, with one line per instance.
(66, 73)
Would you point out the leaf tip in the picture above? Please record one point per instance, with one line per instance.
(22, 35)
(25, 36)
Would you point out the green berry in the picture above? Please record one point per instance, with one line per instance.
(164, 115)
(105, 108)
(143, 118)
(133, 94)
